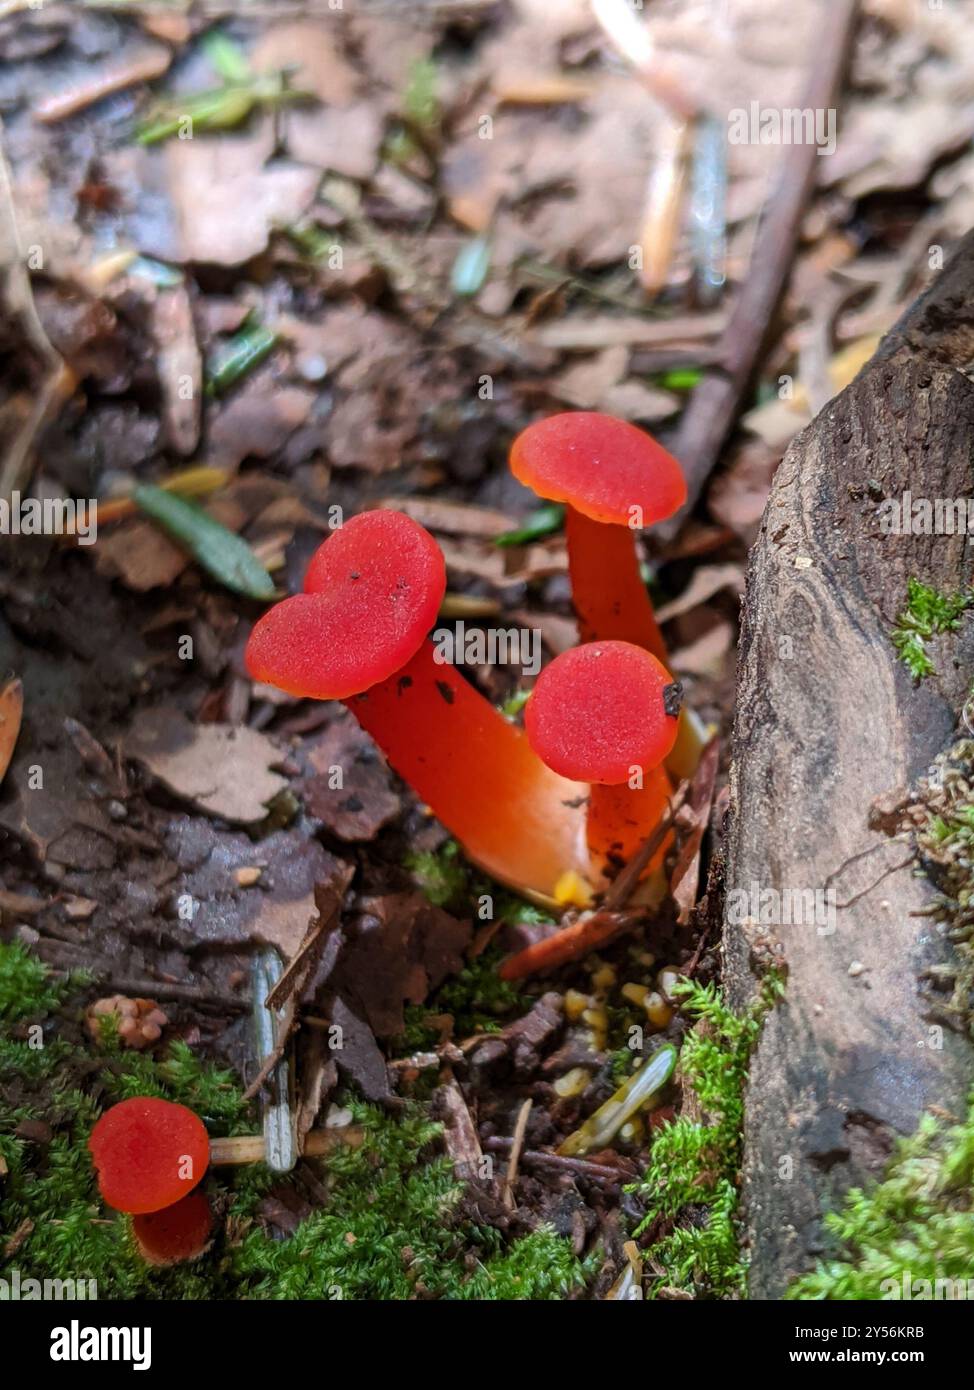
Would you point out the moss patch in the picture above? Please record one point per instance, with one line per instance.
(691, 1183)
(925, 614)
(916, 1225)
(392, 1226)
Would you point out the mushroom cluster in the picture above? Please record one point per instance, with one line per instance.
(584, 782)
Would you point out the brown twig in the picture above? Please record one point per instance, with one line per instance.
(249, 1148)
(582, 1167)
(621, 889)
(715, 401)
(517, 1144)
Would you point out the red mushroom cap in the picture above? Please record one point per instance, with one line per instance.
(148, 1153)
(599, 710)
(601, 466)
(179, 1232)
(372, 592)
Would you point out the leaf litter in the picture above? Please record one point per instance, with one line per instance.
(304, 254)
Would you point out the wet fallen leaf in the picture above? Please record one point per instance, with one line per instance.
(258, 421)
(227, 194)
(224, 770)
(693, 819)
(705, 656)
(141, 556)
(398, 947)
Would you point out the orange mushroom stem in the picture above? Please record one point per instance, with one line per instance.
(610, 598)
(358, 634)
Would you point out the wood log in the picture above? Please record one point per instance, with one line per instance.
(828, 718)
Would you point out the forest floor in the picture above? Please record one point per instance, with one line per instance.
(396, 236)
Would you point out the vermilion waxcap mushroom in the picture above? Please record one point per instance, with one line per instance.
(372, 592)
(614, 479)
(179, 1232)
(600, 709)
(148, 1153)
(358, 633)
(606, 713)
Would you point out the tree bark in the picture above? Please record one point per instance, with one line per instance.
(828, 719)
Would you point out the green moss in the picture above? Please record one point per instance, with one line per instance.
(442, 874)
(691, 1183)
(478, 999)
(945, 842)
(26, 988)
(392, 1227)
(917, 1224)
(927, 612)
(391, 1231)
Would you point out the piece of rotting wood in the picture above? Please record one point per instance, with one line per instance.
(827, 719)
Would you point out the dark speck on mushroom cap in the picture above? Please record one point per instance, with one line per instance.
(371, 594)
(601, 466)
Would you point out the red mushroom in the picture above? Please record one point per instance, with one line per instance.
(605, 713)
(179, 1232)
(148, 1153)
(614, 479)
(358, 634)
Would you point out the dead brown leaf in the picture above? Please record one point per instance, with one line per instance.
(693, 820)
(180, 367)
(228, 193)
(707, 581)
(365, 801)
(222, 769)
(398, 948)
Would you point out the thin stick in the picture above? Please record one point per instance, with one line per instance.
(17, 299)
(715, 401)
(583, 1167)
(249, 1148)
(517, 1144)
(618, 894)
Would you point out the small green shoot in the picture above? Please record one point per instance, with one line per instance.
(224, 107)
(238, 356)
(513, 705)
(545, 521)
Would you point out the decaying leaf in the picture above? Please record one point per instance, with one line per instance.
(693, 819)
(398, 947)
(225, 770)
(350, 791)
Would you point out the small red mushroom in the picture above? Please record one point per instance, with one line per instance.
(606, 713)
(614, 480)
(358, 634)
(179, 1232)
(148, 1153)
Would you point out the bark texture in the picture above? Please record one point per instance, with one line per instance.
(827, 720)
